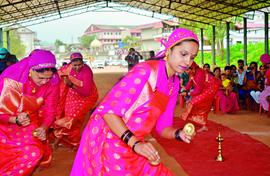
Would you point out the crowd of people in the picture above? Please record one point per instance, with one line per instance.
(43, 107)
(240, 87)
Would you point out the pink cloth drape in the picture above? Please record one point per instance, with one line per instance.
(144, 101)
(20, 151)
(17, 144)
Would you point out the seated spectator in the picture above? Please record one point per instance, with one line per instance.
(228, 98)
(264, 96)
(206, 67)
(217, 72)
(228, 72)
(261, 81)
(250, 84)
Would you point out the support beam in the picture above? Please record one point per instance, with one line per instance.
(266, 36)
(202, 61)
(58, 8)
(214, 45)
(245, 41)
(8, 40)
(227, 43)
(1, 37)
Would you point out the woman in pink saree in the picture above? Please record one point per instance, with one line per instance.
(78, 95)
(113, 141)
(202, 87)
(29, 93)
(228, 98)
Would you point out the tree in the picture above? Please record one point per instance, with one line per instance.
(16, 46)
(86, 40)
(131, 42)
(58, 43)
(208, 33)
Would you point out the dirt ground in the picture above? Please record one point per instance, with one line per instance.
(251, 123)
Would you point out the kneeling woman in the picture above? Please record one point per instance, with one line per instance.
(29, 93)
(113, 141)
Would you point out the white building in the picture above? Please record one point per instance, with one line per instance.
(27, 37)
(255, 30)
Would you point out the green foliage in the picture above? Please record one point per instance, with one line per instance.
(16, 45)
(86, 40)
(58, 43)
(220, 31)
(254, 52)
(131, 42)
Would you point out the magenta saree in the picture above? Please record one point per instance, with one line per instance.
(145, 98)
(20, 151)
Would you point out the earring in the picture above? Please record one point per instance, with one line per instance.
(30, 73)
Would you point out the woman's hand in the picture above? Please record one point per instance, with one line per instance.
(186, 138)
(67, 81)
(184, 93)
(147, 150)
(22, 119)
(40, 133)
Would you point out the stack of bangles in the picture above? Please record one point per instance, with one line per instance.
(17, 121)
(126, 137)
(177, 135)
(71, 85)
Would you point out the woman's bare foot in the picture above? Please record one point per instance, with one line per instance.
(55, 145)
(202, 129)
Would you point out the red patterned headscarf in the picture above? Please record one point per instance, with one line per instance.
(177, 36)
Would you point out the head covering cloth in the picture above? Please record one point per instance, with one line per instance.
(38, 59)
(265, 58)
(3, 53)
(76, 55)
(177, 36)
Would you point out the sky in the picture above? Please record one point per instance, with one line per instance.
(70, 28)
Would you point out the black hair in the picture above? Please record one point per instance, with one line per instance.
(233, 66)
(131, 49)
(227, 67)
(216, 68)
(208, 65)
(42, 70)
(254, 63)
(152, 53)
(240, 61)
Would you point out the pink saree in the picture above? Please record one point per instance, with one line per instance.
(20, 151)
(143, 101)
(74, 104)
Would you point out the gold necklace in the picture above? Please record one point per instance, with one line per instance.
(33, 89)
(171, 86)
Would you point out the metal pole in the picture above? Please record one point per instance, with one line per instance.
(1, 37)
(213, 46)
(245, 41)
(227, 43)
(266, 36)
(8, 40)
(202, 46)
